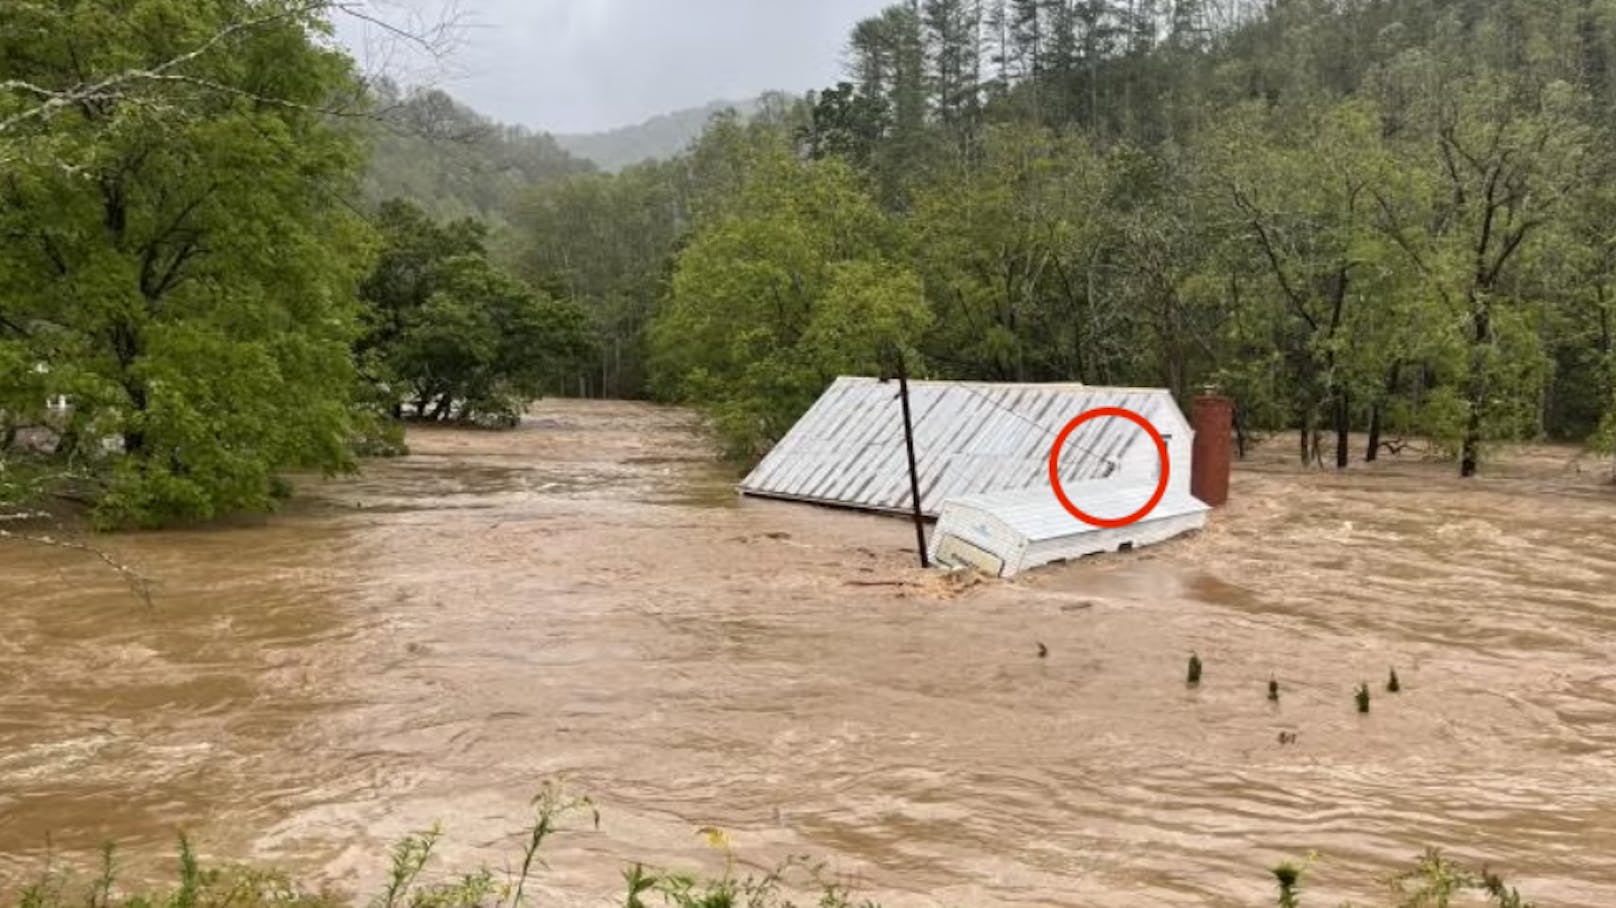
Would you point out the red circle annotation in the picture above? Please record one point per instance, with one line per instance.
(1054, 467)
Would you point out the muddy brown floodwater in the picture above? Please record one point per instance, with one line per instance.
(586, 598)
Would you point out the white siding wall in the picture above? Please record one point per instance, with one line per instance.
(981, 529)
(1142, 463)
(1028, 529)
(1149, 531)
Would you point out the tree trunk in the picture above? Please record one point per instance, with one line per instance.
(1343, 426)
(1376, 414)
(1240, 433)
(67, 444)
(1309, 435)
(1470, 456)
(1470, 459)
(134, 440)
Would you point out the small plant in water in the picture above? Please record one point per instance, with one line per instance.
(1363, 698)
(1273, 689)
(1289, 877)
(1194, 676)
(1437, 881)
(1393, 685)
(1433, 882)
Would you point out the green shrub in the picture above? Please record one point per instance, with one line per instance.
(1434, 881)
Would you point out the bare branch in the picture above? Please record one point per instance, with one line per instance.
(1267, 243)
(223, 89)
(436, 40)
(139, 583)
(109, 87)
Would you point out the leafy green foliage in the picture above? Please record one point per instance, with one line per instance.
(1390, 217)
(450, 335)
(782, 292)
(1386, 218)
(176, 261)
(846, 123)
(600, 242)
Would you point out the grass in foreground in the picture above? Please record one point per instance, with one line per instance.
(1433, 882)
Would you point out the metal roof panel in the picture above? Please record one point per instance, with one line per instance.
(970, 439)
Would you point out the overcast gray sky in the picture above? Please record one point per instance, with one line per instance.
(587, 65)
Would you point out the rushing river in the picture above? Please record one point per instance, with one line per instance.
(585, 598)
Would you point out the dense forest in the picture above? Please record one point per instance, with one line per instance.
(1392, 216)
(195, 293)
(1389, 216)
(452, 161)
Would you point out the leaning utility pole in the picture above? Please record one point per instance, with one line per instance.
(914, 473)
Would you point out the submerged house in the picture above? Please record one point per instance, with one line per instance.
(983, 461)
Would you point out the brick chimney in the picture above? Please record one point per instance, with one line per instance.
(1212, 418)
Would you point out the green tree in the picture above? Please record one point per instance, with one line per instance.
(1498, 169)
(770, 301)
(602, 242)
(889, 61)
(1011, 249)
(1304, 193)
(451, 337)
(954, 57)
(176, 260)
(847, 123)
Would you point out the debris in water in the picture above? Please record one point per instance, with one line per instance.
(1043, 651)
(1394, 686)
(1195, 670)
(1273, 689)
(1363, 698)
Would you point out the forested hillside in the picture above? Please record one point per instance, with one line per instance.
(451, 160)
(658, 138)
(1391, 216)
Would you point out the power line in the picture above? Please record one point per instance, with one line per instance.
(1111, 465)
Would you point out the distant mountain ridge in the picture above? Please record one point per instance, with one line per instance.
(658, 138)
(453, 161)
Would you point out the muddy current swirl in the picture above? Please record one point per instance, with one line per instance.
(586, 598)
